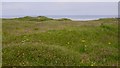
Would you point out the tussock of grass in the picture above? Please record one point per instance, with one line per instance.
(60, 43)
(63, 19)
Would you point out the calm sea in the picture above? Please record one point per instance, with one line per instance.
(72, 17)
(83, 17)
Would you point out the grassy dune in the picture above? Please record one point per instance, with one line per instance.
(43, 41)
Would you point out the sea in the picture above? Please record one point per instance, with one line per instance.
(72, 17)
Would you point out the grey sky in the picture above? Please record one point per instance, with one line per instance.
(59, 8)
(60, 0)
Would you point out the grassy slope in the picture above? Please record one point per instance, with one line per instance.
(35, 43)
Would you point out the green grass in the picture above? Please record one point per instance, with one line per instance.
(60, 42)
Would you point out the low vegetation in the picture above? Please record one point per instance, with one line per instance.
(42, 41)
(39, 18)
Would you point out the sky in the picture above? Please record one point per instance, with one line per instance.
(59, 8)
(60, 0)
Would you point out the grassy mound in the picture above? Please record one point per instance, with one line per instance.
(39, 18)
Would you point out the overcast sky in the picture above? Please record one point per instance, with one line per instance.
(59, 8)
(60, 0)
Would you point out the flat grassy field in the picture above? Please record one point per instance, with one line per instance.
(47, 42)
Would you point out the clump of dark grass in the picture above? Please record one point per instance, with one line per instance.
(43, 18)
(64, 19)
(36, 28)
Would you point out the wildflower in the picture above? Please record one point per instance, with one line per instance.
(25, 36)
(109, 43)
(83, 41)
(93, 63)
(68, 43)
(23, 63)
(85, 46)
(56, 62)
(27, 39)
(23, 41)
(23, 54)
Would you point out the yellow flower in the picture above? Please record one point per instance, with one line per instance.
(91, 64)
(85, 46)
(24, 36)
(23, 54)
(83, 41)
(68, 43)
(109, 43)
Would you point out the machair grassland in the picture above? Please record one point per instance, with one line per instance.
(42, 41)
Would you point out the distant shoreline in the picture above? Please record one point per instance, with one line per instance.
(74, 18)
(80, 19)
